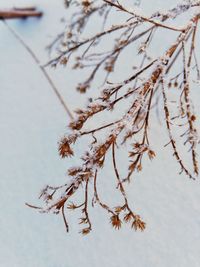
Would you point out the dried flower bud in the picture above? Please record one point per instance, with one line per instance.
(85, 231)
(82, 87)
(193, 118)
(64, 61)
(142, 48)
(64, 148)
(118, 209)
(71, 206)
(151, 154)
(175, 84)
(139, 167)
(132, 167)
(138, 224)
(74, 171)
(76, 125)
(83, 221)
(86, 4)
(116, 222)
(128, 217)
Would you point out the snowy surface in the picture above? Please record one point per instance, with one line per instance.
(31, 122)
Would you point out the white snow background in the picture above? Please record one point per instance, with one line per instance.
(31, 122)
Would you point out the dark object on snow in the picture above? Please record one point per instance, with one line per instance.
(19, 13)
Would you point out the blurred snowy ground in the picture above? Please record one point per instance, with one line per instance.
(31, 122)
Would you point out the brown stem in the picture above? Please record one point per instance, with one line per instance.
(64, 218)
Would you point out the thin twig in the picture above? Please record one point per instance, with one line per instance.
(19, 13)
(48, 78)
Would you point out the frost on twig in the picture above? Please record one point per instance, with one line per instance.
(155, 75)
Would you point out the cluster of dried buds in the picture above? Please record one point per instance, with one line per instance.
(138, 93)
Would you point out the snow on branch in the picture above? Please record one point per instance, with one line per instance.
(138, 92)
